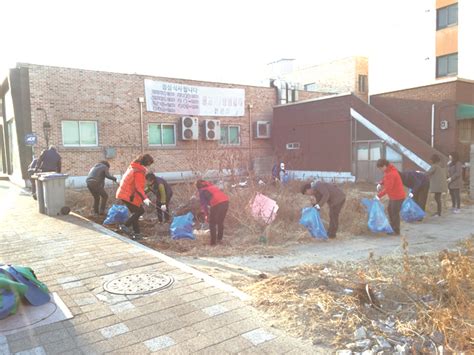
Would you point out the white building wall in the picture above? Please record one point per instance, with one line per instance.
(335, 77)
(466, 39)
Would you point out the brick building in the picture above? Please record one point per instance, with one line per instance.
(91, 115)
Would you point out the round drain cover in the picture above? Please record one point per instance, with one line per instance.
(138, 284)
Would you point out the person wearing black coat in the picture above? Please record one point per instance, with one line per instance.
(419, 184)
(95, 183)
(330, 194)
(49, 161)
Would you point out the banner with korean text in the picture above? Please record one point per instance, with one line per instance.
(182, 99)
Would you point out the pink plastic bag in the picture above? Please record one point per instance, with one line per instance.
(264, 208)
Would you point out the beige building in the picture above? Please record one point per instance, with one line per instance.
(335, 77)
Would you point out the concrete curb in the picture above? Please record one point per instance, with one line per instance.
(199, 274)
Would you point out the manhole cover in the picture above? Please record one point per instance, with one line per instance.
(138, 284)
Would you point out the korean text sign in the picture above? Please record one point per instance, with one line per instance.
(182, 99)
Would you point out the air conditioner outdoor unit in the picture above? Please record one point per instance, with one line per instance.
(189, 128)
(262, 130)
(212, 130)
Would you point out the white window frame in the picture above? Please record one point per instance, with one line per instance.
(161, 125)
(79, 131)
(228, 126)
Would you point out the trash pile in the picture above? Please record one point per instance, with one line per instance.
(406, 304)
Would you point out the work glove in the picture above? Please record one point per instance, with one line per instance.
(410, 195)
(379, 187)
(377, 198)
(449, 180)
(117, 181)
(163, 208)
(317, 207)
(147, 202)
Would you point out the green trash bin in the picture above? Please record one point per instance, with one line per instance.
(53, 191)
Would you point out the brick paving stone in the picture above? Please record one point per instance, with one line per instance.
(61, 347)
(88, 338)
(54, 336)
(39, 350)
(4, 349)
(114, 330)
(258, 336)
(215, 310)
(231, 346)
(23, 344)
(198, 343)
(83, 301)
(183, 334)
(67, 279)
(139, 348)
(140, 322)
(69, 285)
(159, 343)
(245, 325)
(194, 317)
(75, 261)
(122, 307)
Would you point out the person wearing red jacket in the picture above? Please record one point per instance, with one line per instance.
(393, 187)
(210, 195)
(132, 192)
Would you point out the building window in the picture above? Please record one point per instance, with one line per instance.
(362, 83)
(310, 87)
(80, 133)
(466, 131)
(447, 65)
(294, 145)
(230, 135)
(447, 16)
(161, 134)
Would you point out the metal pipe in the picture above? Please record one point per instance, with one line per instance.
(140, 101)
(432, 124)
(250, 137)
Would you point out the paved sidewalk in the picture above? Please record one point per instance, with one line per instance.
(198, 314)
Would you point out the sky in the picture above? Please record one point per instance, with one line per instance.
(226, 41)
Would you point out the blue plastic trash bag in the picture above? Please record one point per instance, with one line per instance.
(116, 214)
(377, 222)
(411, 212)
(182, 227)
(311, 219)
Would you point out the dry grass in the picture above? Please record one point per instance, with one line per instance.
(423, 294)
(243, 233)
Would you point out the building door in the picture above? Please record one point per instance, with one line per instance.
(366, 156)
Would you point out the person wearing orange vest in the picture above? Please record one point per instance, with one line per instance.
(210, 195)
(132, 192)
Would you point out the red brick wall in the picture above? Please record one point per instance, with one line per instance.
(112, 100)
(412, 109)
(323, 130)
